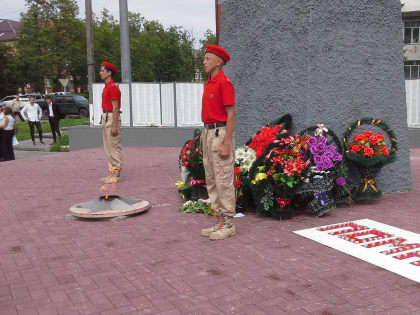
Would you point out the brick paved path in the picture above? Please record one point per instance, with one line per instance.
(156, 263)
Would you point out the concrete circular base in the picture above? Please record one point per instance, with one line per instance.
(109, 208)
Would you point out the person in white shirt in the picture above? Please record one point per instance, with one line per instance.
(1, 130)
(33, 113)
(17, 106)
(8, 127)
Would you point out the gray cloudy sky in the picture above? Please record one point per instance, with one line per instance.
(195, 15)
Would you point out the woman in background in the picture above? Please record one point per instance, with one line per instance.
(9, 127)
(1, 131)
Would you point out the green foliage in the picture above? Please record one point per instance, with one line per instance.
(106, 42)
(10, 72)
(62, 144)
(23, 132)
(52, 45)
(209, 39)
(196, 207)
(51, 42)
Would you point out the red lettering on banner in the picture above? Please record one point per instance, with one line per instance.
(353, 228)
(354, 238)
(401, 248)
(395, 241)
(409, 255)
(381, 238)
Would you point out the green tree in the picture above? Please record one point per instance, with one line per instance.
(11, 77)
(209, 39)
(51, 41)
(106, 42)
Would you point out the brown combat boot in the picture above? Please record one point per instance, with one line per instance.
(214, 228)
(226, 229)
(114, 177)
(105, 179)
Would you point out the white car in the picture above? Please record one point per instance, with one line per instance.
(6, 100)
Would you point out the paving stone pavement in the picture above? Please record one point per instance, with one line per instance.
(157, 263)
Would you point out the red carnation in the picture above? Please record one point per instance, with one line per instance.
(368, 133)
(283, 202)
(354, 148)
(380, 136)
(373, 139)
(237, 183)
(368, 152)
(277, 160)
(237, 171)
(266, 136)
(289, 169)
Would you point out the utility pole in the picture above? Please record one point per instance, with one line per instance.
(125, 53)
(89, 41)
(125, 43)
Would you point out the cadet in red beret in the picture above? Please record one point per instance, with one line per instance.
(218, 143)
(111, 122)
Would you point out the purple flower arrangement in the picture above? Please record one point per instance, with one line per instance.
(324, 155)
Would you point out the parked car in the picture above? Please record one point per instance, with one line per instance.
(69, 104)
(61, 93)
(8, 99)
(5, 100)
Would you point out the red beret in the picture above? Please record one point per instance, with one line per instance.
(218, 51)
(110, 66)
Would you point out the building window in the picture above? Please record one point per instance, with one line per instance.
(412, 32)
(412, 69)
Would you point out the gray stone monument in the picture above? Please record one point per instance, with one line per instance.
(329, 62)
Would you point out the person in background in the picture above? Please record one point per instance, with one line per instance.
(54, 115)
(1, 130)
(8, 127)
(17, 106)
(34, 113)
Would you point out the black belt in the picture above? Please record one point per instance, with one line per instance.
(215, 125)
(110, 111)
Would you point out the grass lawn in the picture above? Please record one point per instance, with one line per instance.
(23, 127)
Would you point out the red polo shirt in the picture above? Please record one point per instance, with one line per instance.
(218, 93)
(110, 93)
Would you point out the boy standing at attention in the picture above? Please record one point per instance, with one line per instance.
(218, 143)
(111, 122)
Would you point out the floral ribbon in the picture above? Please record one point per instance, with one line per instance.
(320, 130)
(369, 182)
(321, 197)
(194, 182)
(300, 143)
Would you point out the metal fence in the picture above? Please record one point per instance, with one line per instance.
(165, 104)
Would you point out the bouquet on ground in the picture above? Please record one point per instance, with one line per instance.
(199, 206)
(244, 158)
(193, 184)
(267, 134)
(274, 184)
(368, 148)
(369, 153)
(325, 153)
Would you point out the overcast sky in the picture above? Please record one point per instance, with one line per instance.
(193, 15)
